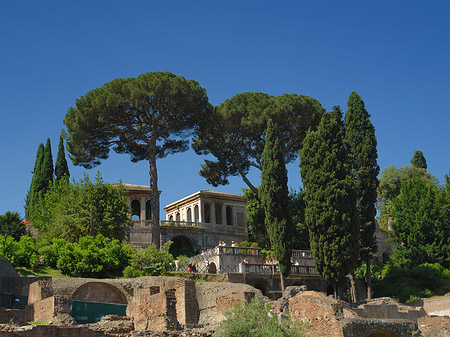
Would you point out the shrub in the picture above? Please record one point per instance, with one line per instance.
(150, 261)
(20, 253)
(255, 320)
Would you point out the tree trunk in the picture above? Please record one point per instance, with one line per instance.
(154, 194)
(335, 288)
(353, 286)
(369, 280)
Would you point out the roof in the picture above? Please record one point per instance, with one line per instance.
(207, 193)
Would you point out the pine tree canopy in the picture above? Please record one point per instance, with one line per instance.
(234, 133)
(147, 117)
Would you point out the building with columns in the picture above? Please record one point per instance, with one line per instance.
(196, 222)
(219, 216)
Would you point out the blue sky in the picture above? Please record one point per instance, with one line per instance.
(395, 54)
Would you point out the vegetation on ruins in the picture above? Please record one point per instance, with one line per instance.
(11, 224)
(418, 160)
(148, 117)
(256, 319)
(61, 167)
(390, 181)
(361, 145)
(331, 214)
(73, 210)
(42, 178)
(274, 197)
(234, 132)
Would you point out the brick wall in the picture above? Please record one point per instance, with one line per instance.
(40, 290)
(186, 303)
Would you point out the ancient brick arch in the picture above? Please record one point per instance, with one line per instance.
(99, 292)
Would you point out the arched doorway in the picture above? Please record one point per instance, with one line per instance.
(93, 300)
(181, 246)
(261, 287)
(212, 268)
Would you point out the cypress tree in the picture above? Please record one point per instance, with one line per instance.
(274, 196)
(361, 146)
(330, 199)
(33, 192)
(47, 167)
(61, 167)
(418, 160)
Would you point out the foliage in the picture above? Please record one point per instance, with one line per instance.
(61, 167)
(254, 319)
(255, 217)
(421, 225)
(20, 253)
(274, 196)
(33, 193)
(418, 160)
(407, 285)
(361, 144)
(73, 210)
(147, 117)
(91, 257)
(150, 261)
(361, 271)
(11, 224)
(330, 199)
(234, 133)
(391, 179)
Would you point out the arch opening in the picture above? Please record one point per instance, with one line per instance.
(229, 216)
(207, 210)
(135, 210)
(181, 246)
(218, 213)
(148, 210)
(261, 287)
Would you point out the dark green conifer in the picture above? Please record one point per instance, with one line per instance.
(330, 198)
(47, 167)
(274, 196)
(418, 160)
(31, 198)
(361, 146)
(61, 167)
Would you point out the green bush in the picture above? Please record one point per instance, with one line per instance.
(90, 257)
(405, 285)
(255, 320)
(20, 253)
(150, 261)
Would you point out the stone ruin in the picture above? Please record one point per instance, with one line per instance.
(171, 306)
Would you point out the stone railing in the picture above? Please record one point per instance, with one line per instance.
(273, 269)
(188, 224)
(228, 250)
(303, 254)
